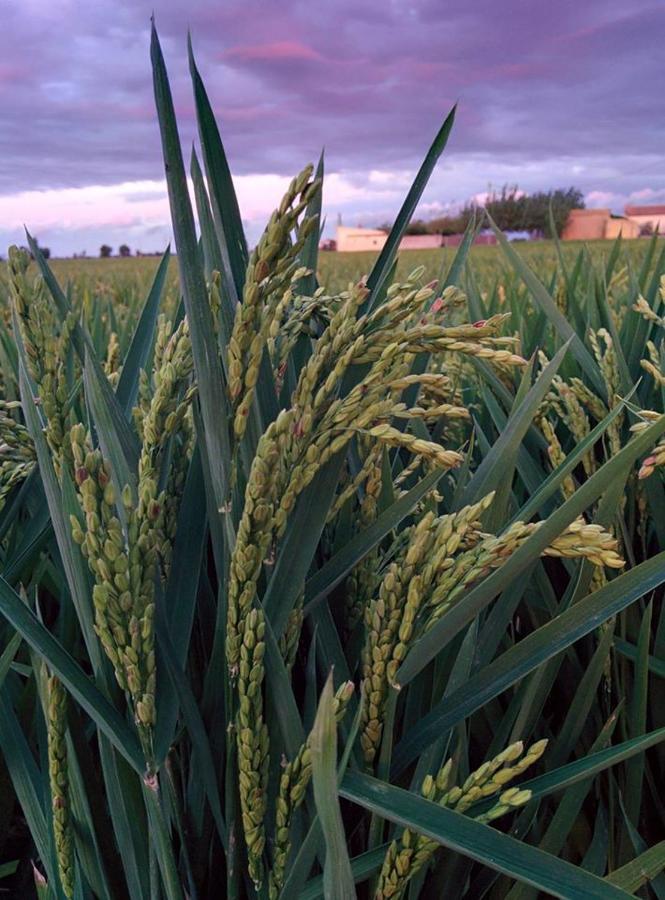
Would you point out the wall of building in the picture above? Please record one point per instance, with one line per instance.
(643, 217)
(596, 224)
(620, 225)
(586, 225)
(368, 239)
(350, 239)
(420, 241)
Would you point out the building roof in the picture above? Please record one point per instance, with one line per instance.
(656, 210)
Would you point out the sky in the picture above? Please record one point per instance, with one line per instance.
(549, 94)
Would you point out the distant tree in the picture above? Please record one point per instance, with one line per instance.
(124, 250)
(45, 251)
(105, 251)
(513, 210)
(451, 224)
(417, 227)
(646, 230)
(508, 208)
(561, 202)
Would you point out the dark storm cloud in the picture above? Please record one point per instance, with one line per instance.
(369, 80)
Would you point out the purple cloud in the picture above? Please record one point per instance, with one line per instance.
(577, 84)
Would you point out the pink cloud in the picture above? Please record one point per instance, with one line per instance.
(10, 74)
(279, 51)
(647, 194)
(524, 70)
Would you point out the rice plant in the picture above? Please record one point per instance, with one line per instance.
(316, 591)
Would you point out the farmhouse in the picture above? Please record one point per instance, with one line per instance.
(374, 239)
(649, 218)
(359, 238)
(599, 224)
(621, 225)
(350, 239)
(586, 225)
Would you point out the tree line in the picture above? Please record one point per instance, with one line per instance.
(512, 210)
(105, 251)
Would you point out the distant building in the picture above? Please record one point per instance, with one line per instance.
(586, 225)
(622, 225)
(454, 240)
(421, 241)
(368, 239)
(582, 225)
(350, 239)
(359, 238)
(522, 235)
(599, 224)
(649, 218)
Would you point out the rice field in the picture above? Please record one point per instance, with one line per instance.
(331, 576)
(132, 276)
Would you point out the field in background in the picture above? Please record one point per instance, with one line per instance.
(487, 264)
(527, 633)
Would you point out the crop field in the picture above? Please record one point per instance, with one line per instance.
(331, 576)
(130, 277)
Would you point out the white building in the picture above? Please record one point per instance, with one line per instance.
(359, 238)
(368, 239)
(648, 217)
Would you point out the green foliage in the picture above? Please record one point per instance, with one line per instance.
(452, 224)
(314, 586)
(514, 210)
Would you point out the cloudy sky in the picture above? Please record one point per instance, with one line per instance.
(551, 94)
